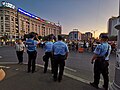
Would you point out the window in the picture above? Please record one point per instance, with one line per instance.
(1, 26)
(6, 18)
(1, 18)
(7, 12)
(12, 13)
(75, 35)
(12, 18)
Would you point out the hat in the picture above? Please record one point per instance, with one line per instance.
(60, 37)
(104, 36)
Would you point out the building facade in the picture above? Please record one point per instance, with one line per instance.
(111, 26)
(88, 35)
(74, 35)
(16, 22)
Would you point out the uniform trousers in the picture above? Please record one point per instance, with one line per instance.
(59, 63)
(101, 67)
(31, 60)
(48, 55)
(20, 56)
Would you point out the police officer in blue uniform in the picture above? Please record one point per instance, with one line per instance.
(101, 62)
(48, 54)
(60, 53)
(31, 45)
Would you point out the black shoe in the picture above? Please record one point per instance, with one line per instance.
(34, 71)
(18, 63)
(28, 71)
(45, 71)
(52, 72)
(106, 88)
(93, 84)
(21, 63)
(59, 80)
(55, 79)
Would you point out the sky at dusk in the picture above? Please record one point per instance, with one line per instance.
(84, 15)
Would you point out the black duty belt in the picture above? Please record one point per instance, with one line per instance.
(102, 59)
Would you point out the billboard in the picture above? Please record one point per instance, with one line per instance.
(6, 4)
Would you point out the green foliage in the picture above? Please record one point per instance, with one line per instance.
(112, 38)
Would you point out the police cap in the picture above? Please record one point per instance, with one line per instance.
(104, 37)
(60, 37)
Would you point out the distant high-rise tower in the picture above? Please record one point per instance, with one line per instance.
(111, 26)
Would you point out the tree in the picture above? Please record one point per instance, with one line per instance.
(112, 38)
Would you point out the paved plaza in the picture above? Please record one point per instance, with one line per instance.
(78, 72)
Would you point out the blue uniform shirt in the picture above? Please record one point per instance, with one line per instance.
(31, 45)
(101, 49)
(60, 47)
(48, 46)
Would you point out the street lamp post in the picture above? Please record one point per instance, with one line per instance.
(116, 83)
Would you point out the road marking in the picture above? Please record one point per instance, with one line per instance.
(69, 75)
(71, 69)
(4, 67)
(65, 68)
(0, 56)
(42, 66)
(72, 76)
(8, 62)
(76, 78)
(66, 74)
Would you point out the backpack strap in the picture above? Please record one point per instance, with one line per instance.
(107, 51)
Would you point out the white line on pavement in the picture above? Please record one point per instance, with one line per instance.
(65, 68)
(66, 74)
(76, 78)
(0, 56)
(71, 69)
(69, 75)
(2, 66)
(8, 62)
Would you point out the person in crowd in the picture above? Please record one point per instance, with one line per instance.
(84, 44)
(101, 58)
(73, 45)
(87, 46)
(48, 54)
(42, 44)
(76, 46)
(60, 54)
(20, 47)
(31, 45)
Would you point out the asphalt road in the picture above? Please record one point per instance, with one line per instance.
(78, 64)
